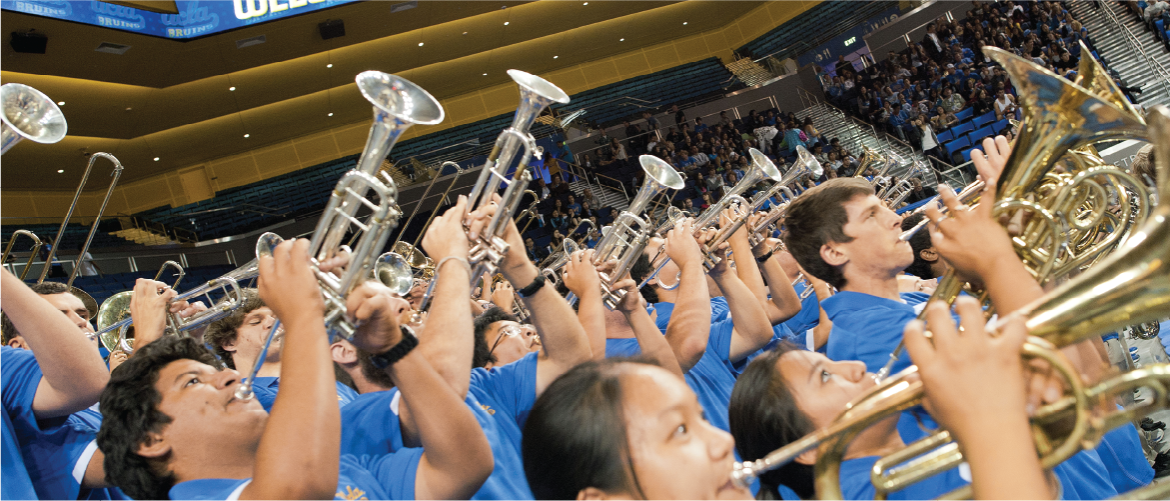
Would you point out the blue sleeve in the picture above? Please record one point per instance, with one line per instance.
(345, 394)
(21, 376)
(395, 472)
(719, 341)
(808, 317)
(513, 385)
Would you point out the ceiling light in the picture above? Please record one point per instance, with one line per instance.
(60, 171)
(554, 57)
(586, 3)
(464, 32)
(247, 135)
(684, 23)
(330, 65)
(420, 44)
(622, 40)
(485, 74)
(331, 114)
(506, 23)
(60, 103)
(155, 159)
(231, 88)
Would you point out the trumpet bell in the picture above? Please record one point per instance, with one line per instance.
(808, 162)
(29, 114)
(765, 164)
(113, 310)
(539, 86)
(267, 243)
(399, 98)
(393, 271)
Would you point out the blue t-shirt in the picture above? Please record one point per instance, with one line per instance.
(869, 328)
(710, 378)
(266, 388)
(21, 375)
(500, 398)
(1121, 452)
(856, 484)
(623, 347)
(809, 315)
(1084, 476)
(387, 476)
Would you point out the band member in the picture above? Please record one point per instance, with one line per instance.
(623, 429)
(500, 396)
(57, 374)
(238, 340)
(974, 382)
(174, 427)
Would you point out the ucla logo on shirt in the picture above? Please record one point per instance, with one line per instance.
(192, 21)
(350, 494)
(44, 8)
(117, 16)
(248, 9)
(488, 409)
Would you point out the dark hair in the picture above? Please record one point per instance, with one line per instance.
(816, 218)
(372, 373)
(575, 437)
(764, 416)
(918, 243)
(224, 330)
(129, 406)
(8, 329)
(638, 272)
(482, 355)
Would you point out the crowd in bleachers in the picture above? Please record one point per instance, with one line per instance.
(1155, 15)
(942, 94)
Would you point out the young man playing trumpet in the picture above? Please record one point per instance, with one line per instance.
(175, 427)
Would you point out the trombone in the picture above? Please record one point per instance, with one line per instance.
(117, 173)
(32, 256)
(417, 206)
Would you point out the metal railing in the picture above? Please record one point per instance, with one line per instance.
(136, 263)
(1163, 75)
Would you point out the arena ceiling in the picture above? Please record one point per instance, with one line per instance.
(171, 100)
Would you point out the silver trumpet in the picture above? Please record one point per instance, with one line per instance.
(398, 104)
(630, 232)
(29, 114)
(568, 247)
(898, 193)
(762, 167)
(489, 247)
(969, 195)
(806, 165)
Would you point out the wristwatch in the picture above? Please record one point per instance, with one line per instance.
(408, 342)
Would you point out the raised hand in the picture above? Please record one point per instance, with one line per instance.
(376, 312)
(581, 277)
(503, 295)
(681, 246)
(148, 308)
(991, 161)
(970, 239)
(288, 285)
(446, 236)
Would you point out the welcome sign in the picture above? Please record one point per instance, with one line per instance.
(195, 18)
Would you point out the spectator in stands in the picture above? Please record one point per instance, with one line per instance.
(982, 102)
(928, 141)
(589, 197)
(541, 189)
(918, 192)
(932, 43)
(1005, 105)
(534, 254)
(680, 117)
(558, 220)
(86, 266)
(700, 127)
(572, 204)
(651, 122)
(559, 186)
(951, 101)
(714, 181)
(813, 135)
(554, 244)
(587, 211)
(619, 151)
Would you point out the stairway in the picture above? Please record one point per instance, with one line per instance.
(855, 136)
(143, 237)
(1120, 39)
(749, 72)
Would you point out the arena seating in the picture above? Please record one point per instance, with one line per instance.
(676, 85)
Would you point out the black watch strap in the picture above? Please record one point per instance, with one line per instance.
(531, 288)
(409, 342)
(765, 257)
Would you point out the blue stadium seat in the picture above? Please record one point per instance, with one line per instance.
(983, 119)
(964, 114)
(955, 145)
(962, 129)
(945, 136)
(977, 135)
(1000, 126)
